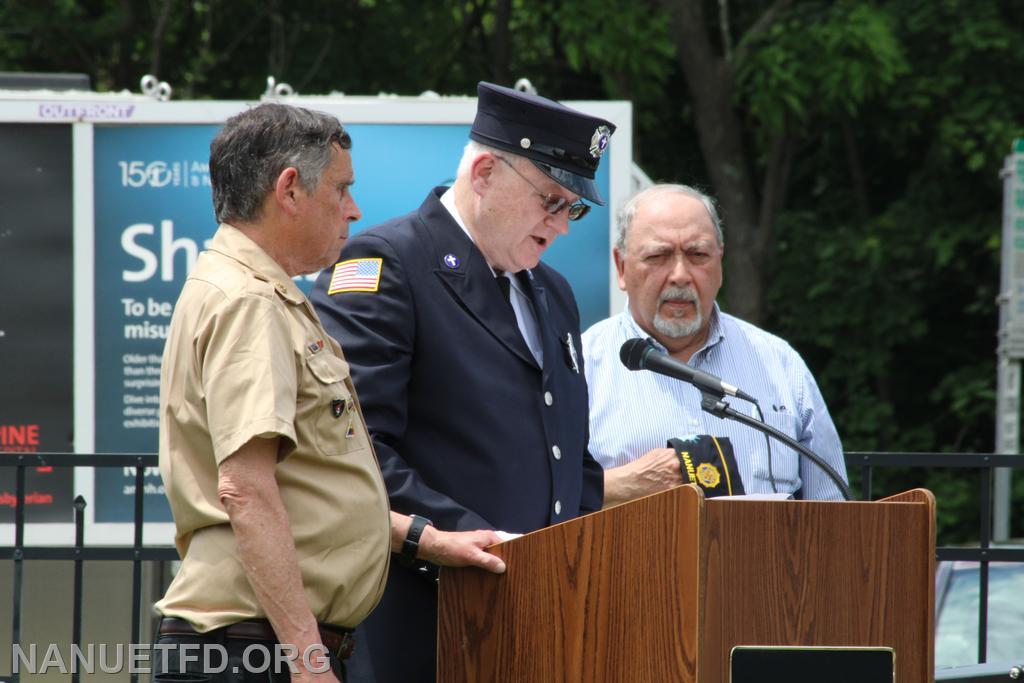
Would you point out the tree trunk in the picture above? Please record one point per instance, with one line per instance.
(502, 55)
(710, 80)
(159, 28)
(858, 181)
(124, 70)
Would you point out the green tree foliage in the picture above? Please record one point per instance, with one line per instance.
(818, 61)
(900, 260)
(870, 135)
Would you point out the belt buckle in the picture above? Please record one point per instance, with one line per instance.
(340, 645)
(346, 647)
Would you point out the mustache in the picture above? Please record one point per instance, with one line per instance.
(680, 293)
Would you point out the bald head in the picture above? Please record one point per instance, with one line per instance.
(628, 212)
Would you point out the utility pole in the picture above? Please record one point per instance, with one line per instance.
(1010, 347)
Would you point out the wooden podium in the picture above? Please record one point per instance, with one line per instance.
(662, 588)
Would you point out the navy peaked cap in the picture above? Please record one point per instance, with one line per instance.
(563, 143)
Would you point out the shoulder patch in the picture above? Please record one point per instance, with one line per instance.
(356, 275)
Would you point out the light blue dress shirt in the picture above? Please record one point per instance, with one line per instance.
(632, 412)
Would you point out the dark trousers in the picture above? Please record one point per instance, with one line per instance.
(216, 658)
(406, 618)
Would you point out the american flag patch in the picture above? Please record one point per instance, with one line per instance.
(356, 275)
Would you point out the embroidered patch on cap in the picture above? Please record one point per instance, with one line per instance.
(707, 475)
(356, 275)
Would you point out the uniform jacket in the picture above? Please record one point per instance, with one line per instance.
(470, 432)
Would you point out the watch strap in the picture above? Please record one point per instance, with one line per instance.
(411, 544)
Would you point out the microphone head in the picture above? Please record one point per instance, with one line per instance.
(632, 353)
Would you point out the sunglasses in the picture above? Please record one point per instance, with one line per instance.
(552, 203)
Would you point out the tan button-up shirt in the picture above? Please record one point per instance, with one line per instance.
(247, 357)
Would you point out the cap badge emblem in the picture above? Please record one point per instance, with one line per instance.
(525, 143)
(599, 141)
(451, 260)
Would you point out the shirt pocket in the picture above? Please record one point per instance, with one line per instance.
(338, 428)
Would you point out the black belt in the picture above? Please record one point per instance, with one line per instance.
(336, 639)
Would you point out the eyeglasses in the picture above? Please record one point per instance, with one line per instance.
(552, 203)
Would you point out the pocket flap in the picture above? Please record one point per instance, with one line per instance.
(327, 368)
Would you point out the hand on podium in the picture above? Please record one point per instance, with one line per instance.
(415, 538)
(461, 549)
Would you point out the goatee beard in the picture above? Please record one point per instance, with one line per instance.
(676, 328)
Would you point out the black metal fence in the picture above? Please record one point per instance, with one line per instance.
(866, 463)
(984, 464)
(78, 553)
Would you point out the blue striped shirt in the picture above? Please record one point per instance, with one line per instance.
(632, 412)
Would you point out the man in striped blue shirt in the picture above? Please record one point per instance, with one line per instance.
(668, 257)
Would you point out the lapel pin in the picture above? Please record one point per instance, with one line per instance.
(338, 407)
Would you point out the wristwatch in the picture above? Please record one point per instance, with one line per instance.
(411, 544)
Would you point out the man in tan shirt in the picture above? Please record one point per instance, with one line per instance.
(281, 514)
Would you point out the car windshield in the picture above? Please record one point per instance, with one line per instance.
(956, 626)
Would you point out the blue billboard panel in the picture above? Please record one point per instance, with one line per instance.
(153, 215)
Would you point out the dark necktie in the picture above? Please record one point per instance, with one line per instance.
(506, 288)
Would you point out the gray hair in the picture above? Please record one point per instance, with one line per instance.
(471, 151)
(628, 212)
(254, 147)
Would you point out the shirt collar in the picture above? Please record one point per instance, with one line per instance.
(233, 243)
(631, 328)
(448, 202)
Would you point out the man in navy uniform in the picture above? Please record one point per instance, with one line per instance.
(465, 350)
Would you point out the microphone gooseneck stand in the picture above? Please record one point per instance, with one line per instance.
(716, 405)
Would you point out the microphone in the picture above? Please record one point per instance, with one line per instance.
(639, 354)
